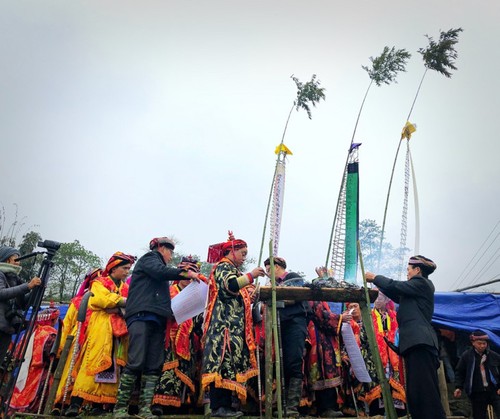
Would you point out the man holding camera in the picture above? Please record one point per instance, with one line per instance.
(12, 300)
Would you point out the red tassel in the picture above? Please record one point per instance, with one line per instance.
(215, 253)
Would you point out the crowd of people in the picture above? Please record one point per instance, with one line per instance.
(128, 355)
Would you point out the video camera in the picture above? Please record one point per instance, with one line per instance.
(51, 246)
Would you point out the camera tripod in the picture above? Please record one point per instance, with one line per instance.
(15, 357)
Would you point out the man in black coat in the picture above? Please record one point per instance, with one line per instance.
(293, 325)
(418, 342)
(478, 372)
(146, 313)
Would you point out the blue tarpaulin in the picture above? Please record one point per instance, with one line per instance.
(460, 311)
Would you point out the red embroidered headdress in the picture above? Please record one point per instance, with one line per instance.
(48, 316)
(87, 281)
(118, 258)
(217, 251)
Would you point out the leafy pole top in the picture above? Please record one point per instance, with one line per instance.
(384, 70)
(439, 56)
(387, 65)
(308, 93)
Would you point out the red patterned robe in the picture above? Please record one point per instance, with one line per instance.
(323, 359)
(28, 399)
(178, 382)
(229, 346)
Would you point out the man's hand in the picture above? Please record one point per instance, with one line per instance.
(370, 276)
(458, 393)
(347, 316)
(189, 266)
(256, 272)
(193, 275)
(251, 289)
(35, 282)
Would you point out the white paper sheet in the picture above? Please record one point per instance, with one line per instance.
(357, 362)
(190, 301)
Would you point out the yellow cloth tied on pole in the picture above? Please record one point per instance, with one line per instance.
(282, 148)
(408, 130)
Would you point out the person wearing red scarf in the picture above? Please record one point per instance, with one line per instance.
(34, 377)
(385, 325)
(105, 346)
(177, 390)
(229, 359)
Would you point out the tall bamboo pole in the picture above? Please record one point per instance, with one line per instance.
(343, 177)
(392, 174)
(271, 190)
(275, 332)
(268, 366)
(390, 411)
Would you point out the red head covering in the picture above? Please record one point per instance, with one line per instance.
(48, 316)
(217, 251)
(118, 258)
(161, 241)
(91, 275)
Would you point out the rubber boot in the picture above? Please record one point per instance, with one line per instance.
(127, 383)
(148, 385)
(74, 407)
(293, 399)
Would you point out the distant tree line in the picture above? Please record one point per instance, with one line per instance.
(72, 261)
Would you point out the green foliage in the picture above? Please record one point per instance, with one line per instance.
(71, 262)
(10, 232)
(386, 66)
(28, 245)
(308, 93)
(441, 56)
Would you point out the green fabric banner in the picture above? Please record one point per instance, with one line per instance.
(351, 222)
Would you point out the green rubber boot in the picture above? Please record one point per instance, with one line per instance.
(148, 385)
(127, 383)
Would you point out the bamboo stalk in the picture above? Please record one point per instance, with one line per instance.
(57, 375)
(271, 190)
(343, 176)
(268, 366)
(275, 333)
(390, 411)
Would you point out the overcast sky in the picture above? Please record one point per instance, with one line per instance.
(125, 120)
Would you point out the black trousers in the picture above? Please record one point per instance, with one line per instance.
(5, 340)
(326, 399)
(220, 397)
(146, 348)
(422, 387)
(293, 339)
(480, 402)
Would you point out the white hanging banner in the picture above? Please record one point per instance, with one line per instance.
(190, 301)
(357, 362)
(277, 208)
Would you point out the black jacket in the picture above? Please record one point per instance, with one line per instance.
(464, 372)
(416, 307)
(149, 287)
(300, 308)
(12, 288)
